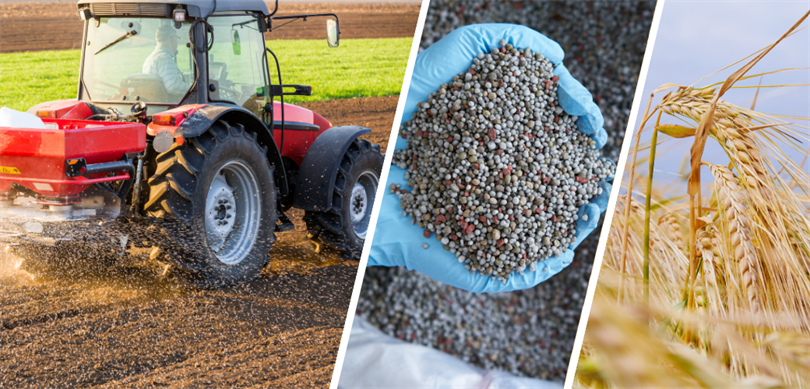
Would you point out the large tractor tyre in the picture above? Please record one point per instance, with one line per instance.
(345, 225)
(217, 199)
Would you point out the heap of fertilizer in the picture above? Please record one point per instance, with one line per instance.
(527, 332)
(498, 169)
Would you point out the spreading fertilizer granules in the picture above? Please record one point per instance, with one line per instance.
(498, 169)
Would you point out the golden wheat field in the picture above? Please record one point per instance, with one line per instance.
(709, 287)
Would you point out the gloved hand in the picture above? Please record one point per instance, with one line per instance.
(397, 242)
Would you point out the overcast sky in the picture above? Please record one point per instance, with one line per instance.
(696, 38)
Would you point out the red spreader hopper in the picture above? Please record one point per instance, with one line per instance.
(49, 168)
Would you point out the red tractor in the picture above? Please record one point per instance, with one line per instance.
(175, 141)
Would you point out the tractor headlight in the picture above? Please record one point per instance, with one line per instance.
(85, 13)
(179, 15)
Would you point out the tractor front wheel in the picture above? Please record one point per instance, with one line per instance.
(345, 225)
(218, 195)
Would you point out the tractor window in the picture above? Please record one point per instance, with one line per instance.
(144, 59)
(235, 63)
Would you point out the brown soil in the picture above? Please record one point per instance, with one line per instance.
(126, 327)
(130, 327)
(33, 26)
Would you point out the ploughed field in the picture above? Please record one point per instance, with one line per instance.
(129, 326)
(33, 26)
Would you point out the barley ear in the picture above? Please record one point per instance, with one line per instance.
(732, 200)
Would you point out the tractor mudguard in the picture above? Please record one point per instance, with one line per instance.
(67, 102)
(202, 119)
(316, 179)
(66, 109)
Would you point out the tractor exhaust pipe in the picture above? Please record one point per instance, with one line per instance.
(274, 10)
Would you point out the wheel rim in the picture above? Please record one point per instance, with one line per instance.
(233, 212)
(362, 202)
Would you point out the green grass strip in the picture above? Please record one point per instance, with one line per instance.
(30, 78)
(358, 68)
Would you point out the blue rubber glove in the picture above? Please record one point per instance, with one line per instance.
(399, 243)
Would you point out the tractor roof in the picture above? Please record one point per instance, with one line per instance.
(196, 8)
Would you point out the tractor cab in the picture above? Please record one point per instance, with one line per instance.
(169, 54)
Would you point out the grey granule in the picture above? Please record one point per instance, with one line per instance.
(529, 332)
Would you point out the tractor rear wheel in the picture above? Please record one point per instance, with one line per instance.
(345, 225)
(217, 198)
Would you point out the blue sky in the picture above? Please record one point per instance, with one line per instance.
(697, 38)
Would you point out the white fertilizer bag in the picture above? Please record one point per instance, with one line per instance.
(12, 118)
(376, 360)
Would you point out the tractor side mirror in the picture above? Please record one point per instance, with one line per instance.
(332, 33)
(237, 45)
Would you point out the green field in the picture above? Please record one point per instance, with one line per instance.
(358, 68)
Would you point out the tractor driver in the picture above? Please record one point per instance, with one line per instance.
(162, 62)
